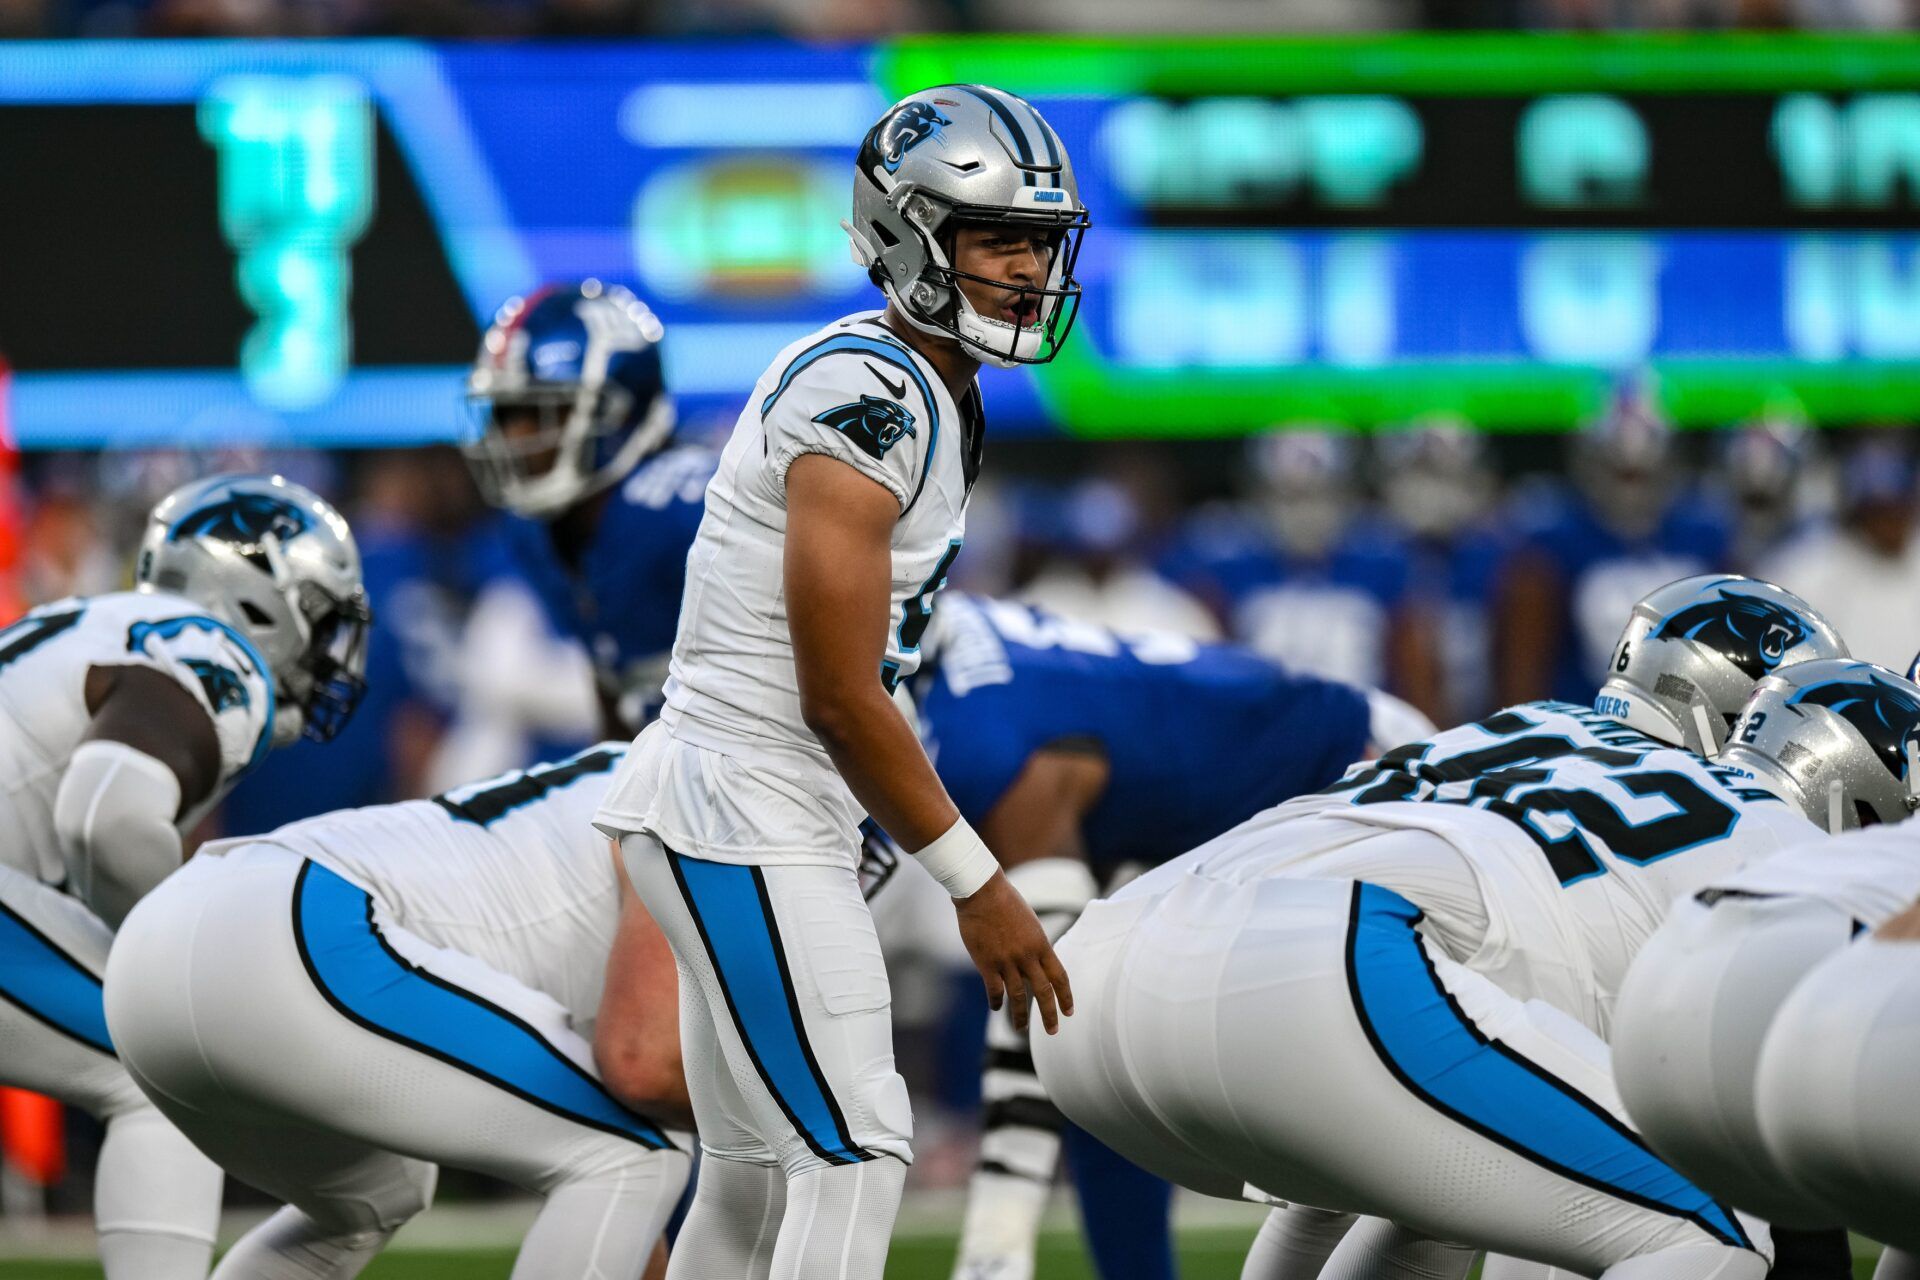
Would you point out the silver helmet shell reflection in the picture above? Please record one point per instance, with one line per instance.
(279, 564)
(968, 155)
(1692, 652)
(1838, 738)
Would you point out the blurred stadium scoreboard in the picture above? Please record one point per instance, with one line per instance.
(300, 241)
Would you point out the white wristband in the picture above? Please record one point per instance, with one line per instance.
(959, 860)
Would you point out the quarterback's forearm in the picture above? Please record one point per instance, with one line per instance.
(887, 770)
(838, 572)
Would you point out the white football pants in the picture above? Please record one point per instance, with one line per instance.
(156, 1198)
(1687, 1031)
(1302, 1036)
(1837, 1092)
(786, 1033)
(332, 1059)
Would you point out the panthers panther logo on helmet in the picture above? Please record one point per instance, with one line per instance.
(1887, 717)
(901, 132)
(874, 424)
(1751, 632)
(245, 518)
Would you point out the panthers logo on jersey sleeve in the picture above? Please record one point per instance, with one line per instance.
(212, 659)
(874, 424)
(1752, 633)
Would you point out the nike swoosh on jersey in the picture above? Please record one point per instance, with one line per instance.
(898, 390)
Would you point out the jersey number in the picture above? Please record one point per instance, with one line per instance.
(916, 612)
(28, 634)
(485, 803)
(1506, 778)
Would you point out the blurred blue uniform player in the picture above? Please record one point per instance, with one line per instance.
(573, 436)
(1076, 751)
(1585, 553)
(1440, 494)
(1306, 576)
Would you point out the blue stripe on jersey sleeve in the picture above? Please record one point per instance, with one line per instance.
(1430, 1045)
(49, 984)
(892, 353)
(167, 628)
(361, 975)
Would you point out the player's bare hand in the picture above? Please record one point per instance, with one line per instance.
(1013, 955)
(1904, 927)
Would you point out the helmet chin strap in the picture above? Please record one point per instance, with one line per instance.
(1703, 725)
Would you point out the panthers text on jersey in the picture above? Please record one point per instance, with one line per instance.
(1199, 737)
(852, 391)
(509, 871)
(622, 598)
(44, 661)
(1580, 833)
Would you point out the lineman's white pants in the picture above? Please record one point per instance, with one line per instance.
(1304, 1037)
(332, 1059)
(1838, 1093)
(156, 1199)
(1687, 1032)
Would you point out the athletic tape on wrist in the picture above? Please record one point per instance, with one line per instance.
(959, 860)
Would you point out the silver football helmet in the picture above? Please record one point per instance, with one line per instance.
(968, 155)
(1841, 739)
(277, 563)
(1693, 651)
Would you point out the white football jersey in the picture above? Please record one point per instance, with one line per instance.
(1581, 833)
(856, 392)
(1872, 875)
(509, 870)
(44, 661)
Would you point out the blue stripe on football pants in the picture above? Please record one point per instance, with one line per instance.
(46, 982)
(730, 908)
(372, 984)
(1436, 1050)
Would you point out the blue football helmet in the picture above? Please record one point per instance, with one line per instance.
(565, 397)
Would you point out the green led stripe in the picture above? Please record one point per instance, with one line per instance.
(1434, 64)
(1093, 402)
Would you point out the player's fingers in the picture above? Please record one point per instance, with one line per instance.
(996, 989)
(1057, 975)
(1043, 995)
(1017, 996)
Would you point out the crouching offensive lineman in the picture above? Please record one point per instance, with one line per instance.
(123, 719)
(1764, 1038)
(335, 1009)
(1389, 998)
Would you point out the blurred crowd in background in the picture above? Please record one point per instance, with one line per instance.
(868, 18)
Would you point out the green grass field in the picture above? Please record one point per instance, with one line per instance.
(1205, 1255)
(1211, 1254)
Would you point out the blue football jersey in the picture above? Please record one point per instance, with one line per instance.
(1603, 574)
(622, 601)
(1199, 737)
(1330, 614)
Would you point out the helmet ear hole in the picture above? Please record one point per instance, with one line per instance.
(255, 614)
